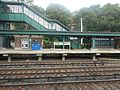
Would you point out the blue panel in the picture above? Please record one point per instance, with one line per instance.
(36, 46)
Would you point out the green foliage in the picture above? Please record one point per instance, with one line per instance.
(22, 0)
(29, 1)
(82, 46)
(38, 9)
(60, 13)
(49, 39)
(96, 18)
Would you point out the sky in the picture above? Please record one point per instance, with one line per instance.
(74, 5)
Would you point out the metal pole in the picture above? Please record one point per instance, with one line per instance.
(30, 42)
(93, 43)
(81, 20)
(63, 42)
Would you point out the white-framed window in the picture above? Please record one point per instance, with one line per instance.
(40, 20)
(15, 8)
(46, 24)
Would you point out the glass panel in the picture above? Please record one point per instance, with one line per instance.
(40, 20)
(64, 29)
(54, 26)
(30, 14)
(58, 27)
(20, 9)
(45, 24)
(35, 17)
(50, 26)
(9, 8)
(13, 8)
(26, 11)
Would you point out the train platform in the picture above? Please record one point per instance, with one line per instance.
(57, 51)
(62, 52)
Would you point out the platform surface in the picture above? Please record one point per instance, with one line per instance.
(58, 51)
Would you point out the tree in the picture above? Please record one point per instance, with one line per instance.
(111, 16)
(60, 13)
(38, 9)
(96, 18)
(29, 1)
(90, 18)
(22, 0)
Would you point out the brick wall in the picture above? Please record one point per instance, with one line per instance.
(17, 40)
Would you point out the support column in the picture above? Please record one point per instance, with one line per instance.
(4, 42)
(112, 43)
(39, 57)
(94, 57)
(81, 29)
(93, 43)
(9, 58)
(63, 57)
(30, 42)
(79, 41)
(63, 42)
(54, 45)
(1, 42)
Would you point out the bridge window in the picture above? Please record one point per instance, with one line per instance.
(54, 26)
(35, 17)
(14, 8)
(50, 26)
(58, 27)
(45, 24)
(26, 11)
(10, 8)
(64, 29)
(31, 15)
(17, 9)
(20, 9)
(40, 20)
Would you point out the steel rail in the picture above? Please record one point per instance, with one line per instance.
(63, 82)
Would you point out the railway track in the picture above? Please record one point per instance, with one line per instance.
(57, 64)
(56, 74)
(113, 84)
(60, 75)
